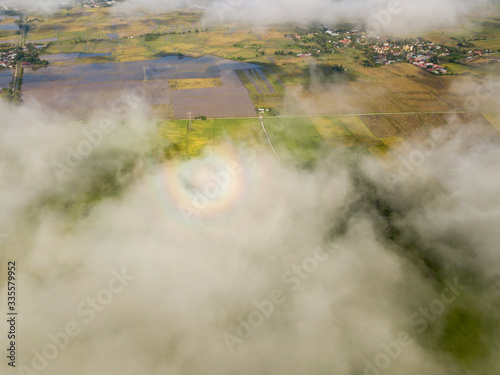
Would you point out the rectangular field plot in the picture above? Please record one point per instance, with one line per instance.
(493, 119)
(51, 69)
(100, 86)
(393, 142)
(380, 126)
(433, 121)
(196, 74)
(31, 78)
(408, 125)
(176, 84)
(473, 118)
(454, 101)
(78, 99)
(46, 96)
(96, 78)
(334, 132)
(359, 130)
(423, 101)
(215, 111)
(255, 81)
(196, 85)
(132, 76)
(382, 103)
(208, 101)
(245, 130)
(294, 136)
(47, 85)
(400, 84)
(180, 142)
(62, 57)
(6, 77)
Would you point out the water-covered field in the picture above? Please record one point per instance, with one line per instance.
(69, 86)
(5, 77)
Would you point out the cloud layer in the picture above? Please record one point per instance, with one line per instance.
(129, 264)
(402, 17)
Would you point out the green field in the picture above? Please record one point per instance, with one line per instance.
(303, 139)
(176, 142)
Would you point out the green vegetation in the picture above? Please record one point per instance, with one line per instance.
(177, 142)
(29, 54)
(296, 137)
(11, 96)
(151, 37)
(463, 335)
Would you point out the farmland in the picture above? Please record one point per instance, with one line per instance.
(228, 73)
(303, 138)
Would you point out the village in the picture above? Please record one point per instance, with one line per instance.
(8, 59)
(98, 3)
(380, 50)
(27, 55)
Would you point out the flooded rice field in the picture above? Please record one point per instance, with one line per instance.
(81, 88)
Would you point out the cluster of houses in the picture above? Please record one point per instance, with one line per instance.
(383, 50)
(98, 3)
(430, 67)
(474, 55)
(416, 52)
(7, 59)
(34, 19)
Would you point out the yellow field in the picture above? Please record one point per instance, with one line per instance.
(272, 101)
(200, 83)
(330, 127)
(334, 132)
(393, 142)
(245, 130)
(178, 141)
(163, 111)
(493, 119)
(359, 130)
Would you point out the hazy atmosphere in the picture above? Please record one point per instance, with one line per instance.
(357, 254)
(251, 187)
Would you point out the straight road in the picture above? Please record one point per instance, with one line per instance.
(268, 140)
